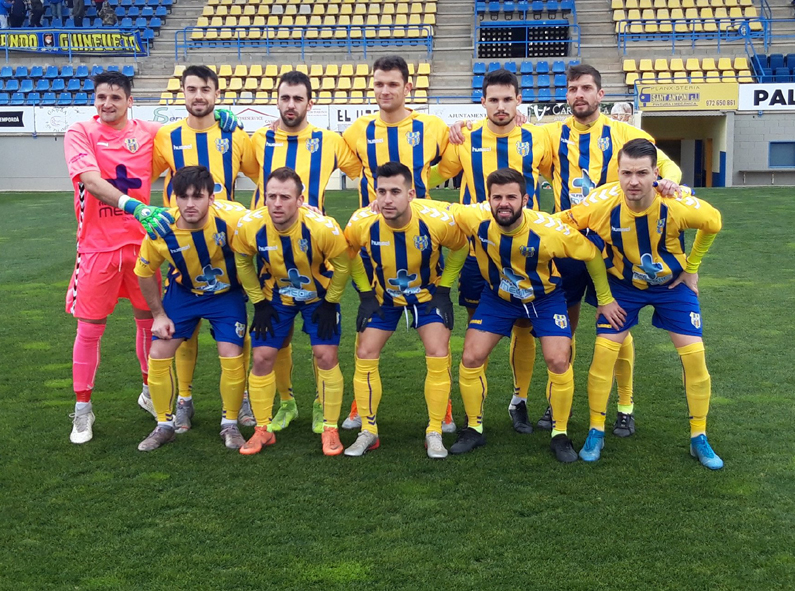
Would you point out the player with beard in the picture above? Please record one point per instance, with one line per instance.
(199, 140)
(516, 250)
(313, 153)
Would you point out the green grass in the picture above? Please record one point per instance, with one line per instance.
(197, 516)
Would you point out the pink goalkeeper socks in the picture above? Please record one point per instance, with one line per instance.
(85, 358)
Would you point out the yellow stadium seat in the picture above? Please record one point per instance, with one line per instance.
(631, 5)
(741, 63)
(429, 20)
(702, 3)
(676, 64)
(291, 9)
(262, 98)
(728, 75)
(674, 4)
(244, 21)
(750, 12)
(697, 77)
(630, 66)
(679, 77)
(723, 19)
(231, 21)
(362, 70)
(271, 70)
(241, 71)
(662, 14)
(681, 25)
(374, 9)
(315, 83)
(357, 97)
(166, 98)
(634, 15)
(713, 76)
(717, 3)
(284, 68)
(315, 70)
(339, 96)
(370, 98)
(178, 69)
(360, 9)
(619, 15)
(617, 4)
(202, 21)
(217, 21)
(222, 84)
(631, 78)
(725, 63)
(249, 10)
(266, 84)
(688, 4)
(251, 84)
(663, 77)
(324, 98)
(660, 4)
(643, 4)
(332, 70)
(225, 71)
(344, 83)
(649, 26)
(645, 65)
(648, 77)
(430, 8)
(327, 84)
(388, 8)
(346, 70)
(173, 85)
(246, 98)
(360, 83)
(745, 76)
(424, 69)
(180, 99)
(692, 64)
(691, 14)
(236, 84)
(303, 68)
(422, 82)
(208, 11)
(661, 65)
(736, 13)
(416, 8)
(708, 64)
(346, 10)
(420, 96)
(402, 8)
(236, 10)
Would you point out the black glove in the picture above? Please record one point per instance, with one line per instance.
(368, 306)
(325, 317)
(264, 314)
(441, 301)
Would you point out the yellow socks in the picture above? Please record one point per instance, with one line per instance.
(261, 392)
(247, 352)
(522, 356)
(185, 359)
(330, 385)
(624, 366)
(698, 386)
(162, 388)
(560, 393)
(437, 391)
(367, 391)
(233, 383)
(600, 379)
(474, 388)
(573, 349)
(283, 368)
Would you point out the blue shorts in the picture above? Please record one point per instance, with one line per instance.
(392, 316)
(576, 281)
(470, 284)
(676, 310)
(548, 315)
(226, 313)
(287, 316)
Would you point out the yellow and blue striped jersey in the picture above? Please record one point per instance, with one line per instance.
(586, 157)
(417, 141)
(525, 149)
(518, 266)
(224, 154)
(292, 264)
(647, 248)
(403, 263)
(201, 261)
(314, 153)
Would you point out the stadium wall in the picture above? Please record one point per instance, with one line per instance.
(753, 135)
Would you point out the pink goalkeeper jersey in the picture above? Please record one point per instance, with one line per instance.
(124, 159)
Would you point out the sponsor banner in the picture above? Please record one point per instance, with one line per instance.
(59, 119)
(17, 120)
(252, 116)
(720, 96)
(767, 97)
(64, 41)
(341, 117)
(536, 113)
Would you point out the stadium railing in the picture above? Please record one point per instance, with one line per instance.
(679, 31)
(356, 37)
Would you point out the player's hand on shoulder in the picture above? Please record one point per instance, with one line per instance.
(312, 208)
(162, 327)
(521, 118)
(457, 131)
(689, 279)
(373, 207)
(614, 314)
(227, 120)
(668, 188)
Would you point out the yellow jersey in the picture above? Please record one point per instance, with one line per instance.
(586, 156)
(643, 248)
(519, 266)
(314, 153)
(403, 263)
(417, 141)
(223, 153)
(201, 261)
(292, 264)
(525, 149)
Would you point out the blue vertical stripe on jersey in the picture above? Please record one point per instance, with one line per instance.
(584, 161)
(375, 249)
(618, 241)
(483, 241)
(267, 160)
(607, 155)
(668, 258)
(176, 140)
(263, 255)
(393, 144)
(202, 252)
(425, 265)
(202, 150)
(467, 199)
(292, 151)
(228, 157)
(563, 153)
(402, 261)
(419, 159)
(229, 255)
(531, 264)
(506, 249)
(527, 170)
(478, 178)
(372, 161)
(502, 152)
(315, 167)
(179, 260)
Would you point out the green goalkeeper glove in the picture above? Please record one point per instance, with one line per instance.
(227, 120)
(155, 220)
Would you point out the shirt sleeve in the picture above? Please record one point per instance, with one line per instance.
(450, 164)
(79, 152)
(697, 214)
(351, 136)
(248, 160)
(572, 245)
(159, 162)
(333, 241)
(577, 217)
(347, 161)
(149, 259)
(443, 138)
(242, 240)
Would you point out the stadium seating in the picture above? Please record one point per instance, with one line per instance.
(536, 79)
(524, 10)
(321, 22)
(775, 67)
(47, 85)
(256, 84)
(684, 70)
(659, 18)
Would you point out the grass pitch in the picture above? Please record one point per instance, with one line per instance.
(195, 515)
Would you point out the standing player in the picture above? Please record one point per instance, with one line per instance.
(645, 236)
(395, 134)
(499, 143)
(202, 284)
(515, 249)
(199, 140)
(314, 153)
(304, 265)
(109, 159)
(400, 273)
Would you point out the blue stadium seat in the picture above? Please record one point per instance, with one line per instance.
(88, 85)
(538, 9)
(573, 63)
(544, 81)
(36, 72)
(167, 3)
(479, 68)
(43, 85)
(508, 8)
(558, 67)
(789, 60)
(4, 98)
(510, 66)
(81, 72)
(139, 3)
(781, 74)
(526, 68)
(126, 3)
(566, 7)
(56, 23)
(477, 81)
(477, 95)
(73, 85)
(33, 99)
(494, 66)
(126, 23)
(528, 81)
(12, 85)
(153, 3)
(96, 70)
(17, 99)
(2, 84)
(528, 95)
(6, 72)
(522, 7)
(98, 22)
(148, 12)
(775, 60)
(112, 69)
(48, 99)
(155, 23)
(542, 67)
(58, 85)
(560, 95)
(26, 86)
(91, 12)
(22, 71)
(494, 9)
(560, 81)
(140, 22)
(69, 23)
(67, 71)
(544, 96)
(81, 98)
(128, 70)
(134, 12)
(120, 12)
(161, 12)
(552, 8)
(64, 99)
(148, 35)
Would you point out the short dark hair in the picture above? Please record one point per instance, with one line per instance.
(392, 62)
(639, 148)
(506, 176)
(285, 173)
(295, 78)
(114, 79)
(197, 178)
(393, 169)
(500, 77)
(576, 72)
(202, 72)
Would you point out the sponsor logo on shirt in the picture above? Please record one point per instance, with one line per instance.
(379, 243)
(481, 149)
(377, 141)
(180, 249)
(267, 248)
(103, 144)
(183, 147)
(274, 144)
(614, 229)
(486, 241)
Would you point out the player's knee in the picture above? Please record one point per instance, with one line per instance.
(327, 358)
(263, 359)
(437, 349)
(557, 362)
(472, 358)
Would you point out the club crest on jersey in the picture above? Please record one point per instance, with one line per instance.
(414, 138)
(220, 239)
(222, 145)
(561, 320)
(527, 251)
(422, 242)
(660, 226)
(131, 144)
(313, 145)
(303, 244)
(604, 144)
(523, 148)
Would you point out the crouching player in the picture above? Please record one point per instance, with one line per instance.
(403, 246)
(515, 248)
(644, 235)
(202, 284)
(304, 265)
